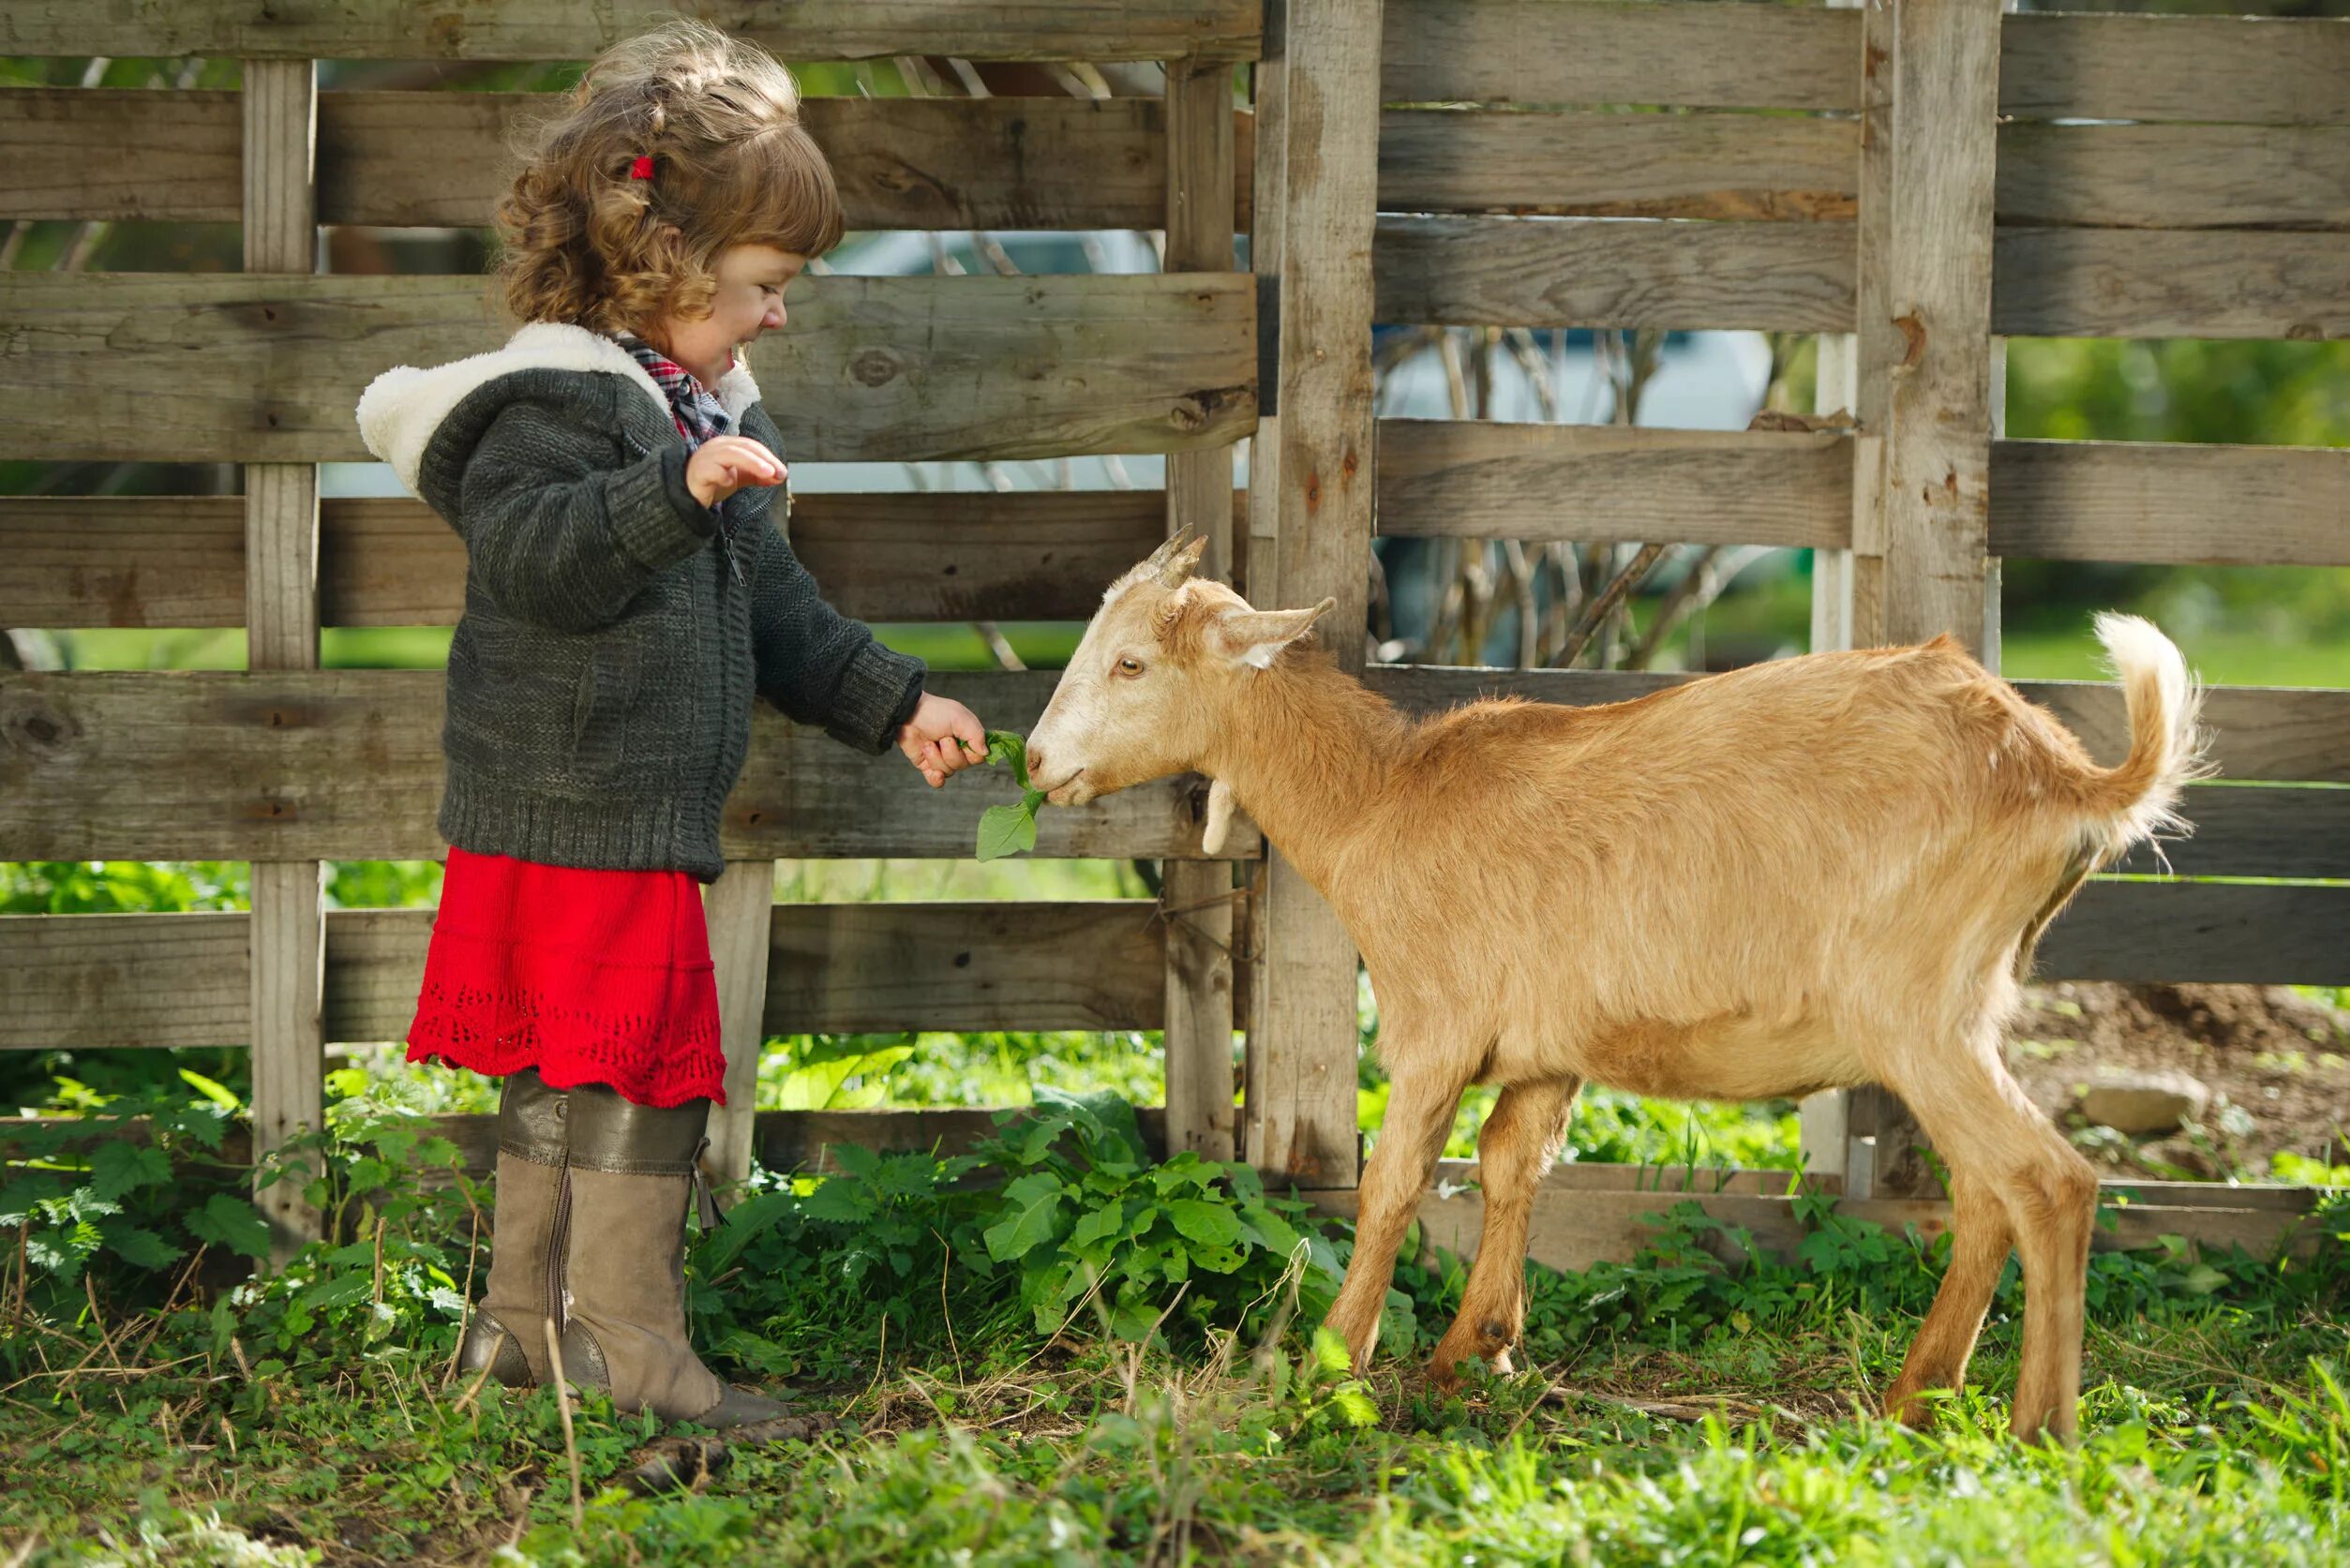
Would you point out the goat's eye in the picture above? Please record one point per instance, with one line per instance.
(1129, 666)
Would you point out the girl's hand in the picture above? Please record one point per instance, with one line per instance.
(725, 464)
(943, 737)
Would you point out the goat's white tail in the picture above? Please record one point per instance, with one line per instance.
(2142, 795)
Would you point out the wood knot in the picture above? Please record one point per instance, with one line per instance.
(1914, 333)
(873, 367)
(39, 729)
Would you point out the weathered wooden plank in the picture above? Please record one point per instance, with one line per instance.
(2171, 503)
(118, 560)
(1196, 896)
(1479, 478)
(115, 153)
(1938, 424)
(279, 136)
(559, 30)
(997, 965)
(346, 764)
(1573, 1229)
(1699, 165)
(2175, 176)
(2170, 283)
(170, 561)
(79, 982)
(86, 981)
(2257, 70)
(737, 909)
(411, 159)
(2279, 733)
(2283, 733)
(2225, 932)
(1541, 272)
(873, 369)
(1546, 51)
(786, 1140)
(1668, 1181)
(802, 1139)
(1301, 1073)
(2262, 832)
(154, 561)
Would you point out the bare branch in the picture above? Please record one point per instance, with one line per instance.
(1626, 580)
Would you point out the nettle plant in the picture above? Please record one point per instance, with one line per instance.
(1009, 830)
(1078, 1230)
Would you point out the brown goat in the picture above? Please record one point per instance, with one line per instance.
(1815, 872)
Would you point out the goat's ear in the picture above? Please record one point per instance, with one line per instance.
(1219, 824)
(1257, 637)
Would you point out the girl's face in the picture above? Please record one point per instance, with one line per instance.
(750, 300)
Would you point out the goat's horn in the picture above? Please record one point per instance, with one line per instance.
(1174, 562)
(1160, 556)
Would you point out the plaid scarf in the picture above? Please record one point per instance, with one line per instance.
(697, 414)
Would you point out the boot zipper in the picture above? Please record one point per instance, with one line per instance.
(559, 1247)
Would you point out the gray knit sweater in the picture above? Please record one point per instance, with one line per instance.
(601, 678)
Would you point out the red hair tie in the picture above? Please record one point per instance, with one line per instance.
(642, 168)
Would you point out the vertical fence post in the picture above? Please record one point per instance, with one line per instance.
(1196, 896)
(739, 907)
(1926, 272)
(1848, 586)
(288, 924)
(1261, 573)
(1301, 1114)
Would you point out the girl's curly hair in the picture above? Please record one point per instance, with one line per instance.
(584, 243)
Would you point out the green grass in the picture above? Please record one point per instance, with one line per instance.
(1677, 1410)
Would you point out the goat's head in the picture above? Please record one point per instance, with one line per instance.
(1146, 690)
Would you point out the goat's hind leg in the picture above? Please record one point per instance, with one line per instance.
(1420, 1108)
(1998, 1143)
(1514, 1149)
(1981, 1237)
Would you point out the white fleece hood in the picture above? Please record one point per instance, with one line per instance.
(404, 406)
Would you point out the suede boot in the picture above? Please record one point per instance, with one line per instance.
(633, 1171)
(526, 1243)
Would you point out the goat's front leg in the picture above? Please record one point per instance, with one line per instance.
(1514, 1149)
(1420, 1108)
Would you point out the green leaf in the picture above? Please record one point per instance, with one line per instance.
(231, 1222)
(842, 1200)
(1210, 1224)
(340, 1291)
(1029, 1224)
(1330, 1355)
(142, 1248)
(210, 1090)
(1098, 1225)
(1007, 830)
(746, 1222)
(1355, 1406)
(119, 1166)
(1005, 745)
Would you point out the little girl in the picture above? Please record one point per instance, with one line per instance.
(612, 473)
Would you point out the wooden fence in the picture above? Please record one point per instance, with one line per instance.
(1914, 191)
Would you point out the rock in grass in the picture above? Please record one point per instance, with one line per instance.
(2140, 1101)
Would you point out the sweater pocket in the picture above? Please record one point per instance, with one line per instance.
(603, 693)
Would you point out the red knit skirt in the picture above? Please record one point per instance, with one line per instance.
(591, 977)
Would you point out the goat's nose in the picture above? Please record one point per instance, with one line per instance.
(1036, 764)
